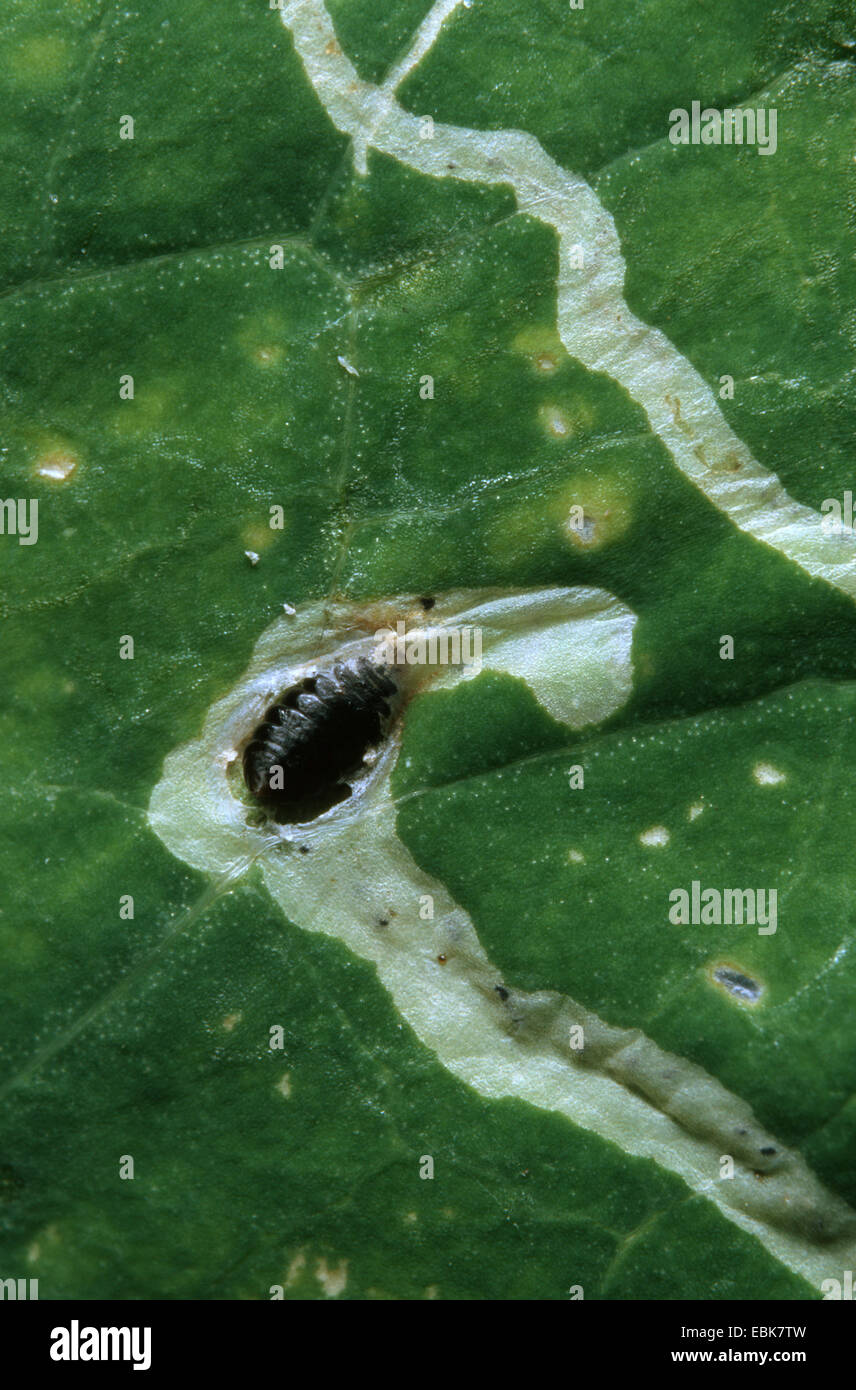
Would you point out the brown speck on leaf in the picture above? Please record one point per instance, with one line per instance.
(441, 960)
(332, 48)
(674, 404)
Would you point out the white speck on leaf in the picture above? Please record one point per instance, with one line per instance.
(657, 835)
(767, 776)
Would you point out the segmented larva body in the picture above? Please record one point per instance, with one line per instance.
(317, 735)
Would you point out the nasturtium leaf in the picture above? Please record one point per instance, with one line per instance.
(303, 337)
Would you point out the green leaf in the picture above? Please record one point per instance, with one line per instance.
(280, 264)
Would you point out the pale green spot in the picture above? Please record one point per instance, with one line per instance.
(43, 61)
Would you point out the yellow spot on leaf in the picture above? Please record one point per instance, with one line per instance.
(543, 349)
(41, 61)
(153, 408)
(655, 836)
(267, 355)
(258, 536)
(557, 424)
(57, 465)
(295, 1269)
(261, 338)
(333, 1281)
(767, 776)
(594, 512)
(589, 513)
(48, 1236)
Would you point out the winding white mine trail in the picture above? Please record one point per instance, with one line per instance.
(348, 875)
(594, 321)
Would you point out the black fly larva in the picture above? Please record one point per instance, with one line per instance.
(315, 737)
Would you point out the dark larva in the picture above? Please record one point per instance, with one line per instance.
(740, 985)
(315, 736)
